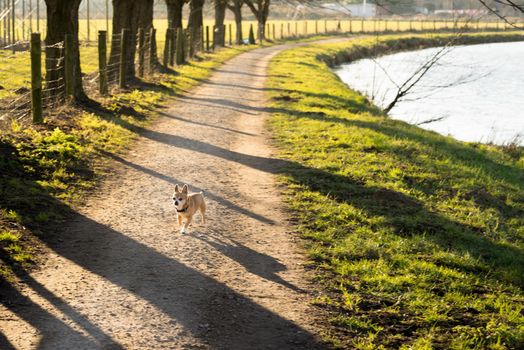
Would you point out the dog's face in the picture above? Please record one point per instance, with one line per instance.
(180, 197)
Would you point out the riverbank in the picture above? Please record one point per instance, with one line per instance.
(417, 237)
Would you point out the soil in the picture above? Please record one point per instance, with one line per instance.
(120, 275)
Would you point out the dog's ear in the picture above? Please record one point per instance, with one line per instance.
(176, 188)
(184, 189)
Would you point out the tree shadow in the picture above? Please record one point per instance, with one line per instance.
(404, 214)
(212, 126)
(4, 342)
(51, 330)
(220, 200)
(460, 153)
(260, 264)
(187, 296)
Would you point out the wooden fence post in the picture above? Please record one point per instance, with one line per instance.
(251, 35)
(350, 27)
(141, 52)
(172, 45)
(180, 56)
(230, 34)
(36, 78)
(214, 42)
(13, 24)
(202, 39)
(124, 42)
(102, 62)
(167, 48)
(274, 32)
(207, 38)
(152, 49)
(69, 66)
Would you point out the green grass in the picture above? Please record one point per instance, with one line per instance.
(418, 238)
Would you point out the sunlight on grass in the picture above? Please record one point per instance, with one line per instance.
(419, 237)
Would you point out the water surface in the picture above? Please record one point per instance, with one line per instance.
(477, 90)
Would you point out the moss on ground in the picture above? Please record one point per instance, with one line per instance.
(418, 238)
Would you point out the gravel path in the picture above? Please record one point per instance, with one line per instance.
(123, 277)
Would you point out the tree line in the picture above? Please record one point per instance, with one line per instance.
(63, 16)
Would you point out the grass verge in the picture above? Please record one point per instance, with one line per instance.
(418, 238)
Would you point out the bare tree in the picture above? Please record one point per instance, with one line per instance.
(494, 7)
(236, 7)
(260, 9)
(220, 16)
(407, 86)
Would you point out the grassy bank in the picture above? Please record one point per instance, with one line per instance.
(418, 238)
(46, 169)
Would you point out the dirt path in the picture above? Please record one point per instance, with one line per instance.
(124, 277)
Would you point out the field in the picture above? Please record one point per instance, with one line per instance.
(14, 67)
(302, 27)
(417, 237)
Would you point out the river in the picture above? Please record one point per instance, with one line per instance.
(477, 91)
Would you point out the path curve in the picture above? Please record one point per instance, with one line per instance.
(124, 277)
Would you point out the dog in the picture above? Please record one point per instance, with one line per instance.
(187, 204)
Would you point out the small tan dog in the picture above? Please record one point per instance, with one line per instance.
(187, 204)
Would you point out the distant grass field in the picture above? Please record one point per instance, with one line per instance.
(418, 238)
(15, 67)
(303, 27)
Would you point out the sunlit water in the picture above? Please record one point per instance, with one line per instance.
(478, 90)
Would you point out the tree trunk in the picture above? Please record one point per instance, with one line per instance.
(62, 19)
(144, 19)
(174, 20)
(220, 16)
(237, 11)
(261, 30)
(174, 13)
(260, 9)
(196, 22)
(132, 15)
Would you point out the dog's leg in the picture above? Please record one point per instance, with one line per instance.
(186, 224)
(179, 220)
(203, 212)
